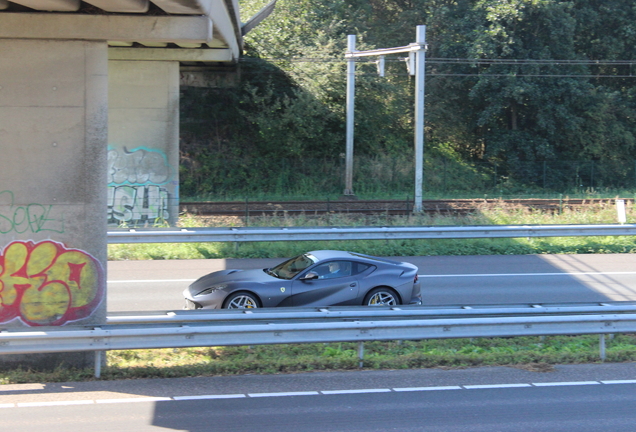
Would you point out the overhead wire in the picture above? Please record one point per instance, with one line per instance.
(452, 61)
(479, 62)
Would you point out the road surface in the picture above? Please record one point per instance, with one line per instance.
(578, 398)
(446, 280)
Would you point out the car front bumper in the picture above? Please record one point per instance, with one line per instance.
(213, 300)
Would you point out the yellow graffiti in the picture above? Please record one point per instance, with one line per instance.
(47, 284)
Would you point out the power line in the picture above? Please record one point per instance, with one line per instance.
(465, 61)
(480, 62)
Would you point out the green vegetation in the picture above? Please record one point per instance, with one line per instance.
(522, 96)
(499, 215)
(531, 353)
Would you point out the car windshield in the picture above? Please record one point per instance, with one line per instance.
(292, 267)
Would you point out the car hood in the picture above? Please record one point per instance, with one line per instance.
(232, 275)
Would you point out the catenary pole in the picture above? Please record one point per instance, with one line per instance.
(351, 86)
(417, 50)
(420, 64)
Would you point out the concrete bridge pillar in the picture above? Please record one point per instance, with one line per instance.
(143, 142)
(53, 148)
(62, 178)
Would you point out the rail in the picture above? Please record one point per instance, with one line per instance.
(284, 326)
(327, 207)
(250, 234)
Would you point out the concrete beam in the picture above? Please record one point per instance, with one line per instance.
(51, 5)
(142, 29)
(121, 6)
(185, 7)
(120, 44)
(175, 54)
(226, 28)
(156, 44)
(188, 45)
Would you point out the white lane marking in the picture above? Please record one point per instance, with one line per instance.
(301, 393)
(495, 386)
(150, 281)
(310, 393)
(416, 389)
(572, 383)
(526, 274)
(55, 403)
(130, 400)
(21, 387)
(200, 397)
(334, 392)
(419, 276)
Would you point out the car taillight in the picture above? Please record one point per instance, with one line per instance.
(415, 278)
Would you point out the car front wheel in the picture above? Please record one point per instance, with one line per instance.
(381, 297)
(241, 301)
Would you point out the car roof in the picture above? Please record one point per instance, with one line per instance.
(322, 255)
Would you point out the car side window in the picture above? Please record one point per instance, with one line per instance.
(358, 267)
(333, 269)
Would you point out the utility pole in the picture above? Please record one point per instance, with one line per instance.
(420, 73)
(351, 94)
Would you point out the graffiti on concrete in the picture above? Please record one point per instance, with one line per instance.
(135, 204)
(136, 180)
(137, 167)
(28, 218)
(47, 284)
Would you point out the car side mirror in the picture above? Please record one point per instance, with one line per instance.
(310, 276)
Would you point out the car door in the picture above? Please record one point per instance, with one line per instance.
(329, 288)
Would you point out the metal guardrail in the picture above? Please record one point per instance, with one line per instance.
(266, 333)
(325, 314)
(247, 234)
(305, 325)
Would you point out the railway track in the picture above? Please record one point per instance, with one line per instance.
(381, 207)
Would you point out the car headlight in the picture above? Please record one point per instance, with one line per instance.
(211, 290)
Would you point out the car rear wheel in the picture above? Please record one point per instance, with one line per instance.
(381, 297)
(242, 300)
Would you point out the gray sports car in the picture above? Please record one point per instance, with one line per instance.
(318, 278)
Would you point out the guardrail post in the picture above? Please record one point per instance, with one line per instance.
(602, 347)
(247, 212)
(98, 364)
(361, 354)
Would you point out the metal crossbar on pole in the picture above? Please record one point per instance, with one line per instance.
(419, 50)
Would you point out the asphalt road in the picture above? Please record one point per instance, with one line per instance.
(446, 280)
(569, 398)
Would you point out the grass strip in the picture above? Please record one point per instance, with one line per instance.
(535, 353)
